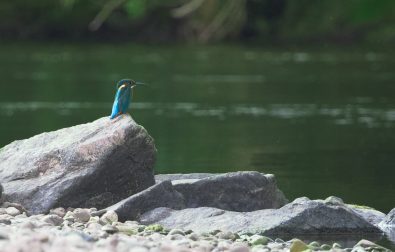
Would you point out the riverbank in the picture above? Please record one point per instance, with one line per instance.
(92, 187)
(88, 230)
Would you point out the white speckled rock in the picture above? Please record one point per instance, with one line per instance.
(90, 165)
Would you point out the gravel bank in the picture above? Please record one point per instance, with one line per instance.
(92, 230)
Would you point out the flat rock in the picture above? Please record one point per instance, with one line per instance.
(235, 191)
(159, 195)
(90, 165)
(302, 216)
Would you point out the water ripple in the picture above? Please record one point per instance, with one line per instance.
(340, 114)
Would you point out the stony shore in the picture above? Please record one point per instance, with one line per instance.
(102, 173)
(91, 230)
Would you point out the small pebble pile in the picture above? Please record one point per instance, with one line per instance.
(92, 230)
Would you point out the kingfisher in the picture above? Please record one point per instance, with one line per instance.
(122, 97)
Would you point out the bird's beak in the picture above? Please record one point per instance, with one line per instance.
(139, 84)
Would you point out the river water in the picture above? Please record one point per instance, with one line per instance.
(321, 119)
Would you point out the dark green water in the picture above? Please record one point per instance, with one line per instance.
(321, 120)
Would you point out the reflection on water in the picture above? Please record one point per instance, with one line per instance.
(322, 121)
(350, 114)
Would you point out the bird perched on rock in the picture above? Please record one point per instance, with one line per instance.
(123, 96)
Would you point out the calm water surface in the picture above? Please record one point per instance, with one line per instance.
(321, 120)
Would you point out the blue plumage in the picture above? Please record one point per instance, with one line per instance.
(123, 97)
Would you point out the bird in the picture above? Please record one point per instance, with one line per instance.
(123, 96)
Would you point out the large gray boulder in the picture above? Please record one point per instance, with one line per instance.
(388, 225)
(389, 220)
(302, 216)
(90, 165)
(235, 191)
(238, 191)
(371, 215)
(159, 195)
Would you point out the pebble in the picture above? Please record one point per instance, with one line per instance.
(336, 245)
(333, 200)
(109, 229)
(16, 205)
(368, 245)
(298, 246)
(53, 219)
(175, 236)
(154, 227)
(260, 248)
(69, 216)
(93, 226)
(223, 245)
(109, 217)
(314, 244)
(4, 236)
(226, 235)
(5, 221)
(258, 240)
(81, 215)
(78, 230)
(28, 225)
(78, 225)
(176, 231)
(325, 247)
(60, 211)
(127, 229)
(193, 236)
(12, 211)
(239, 248)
